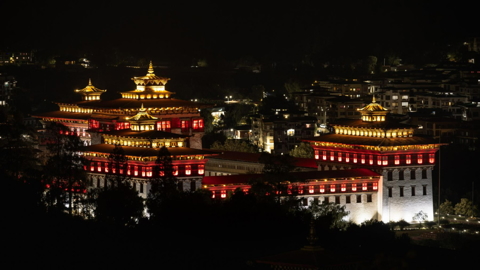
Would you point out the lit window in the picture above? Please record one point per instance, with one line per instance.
(300, 190)
(431, 158)
(332, 188)
(322, 188)
(343, 188)
(354, 158)
(397, 159)
(354, 187)
(316, 154)
(324, 155)
(213, 194)
(408, 159)
(339, 156)
(375, 186)
(92, 166)
(291, 132)
(362, 158)
(332, 156)
(370, 159)
(201, 169)
(420, 158)
(311, 189)
(129, 167)
(223, 194)
(347, 157)
(385, 160)
(99, 166)
(135, 171)
(364, 186)
(105, 165)
(175, 170)
(379, 160)
(188, 169)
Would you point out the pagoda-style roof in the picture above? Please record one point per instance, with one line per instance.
(373, 141)
(150, 78)
(134, 104)
(142, 115)
(90, 89)
(147, 152)
(373, 106)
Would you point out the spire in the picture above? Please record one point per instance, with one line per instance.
(373, 99)
(90, 81)
(150, 69)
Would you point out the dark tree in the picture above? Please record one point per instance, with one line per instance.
(64, 167)
(118, 203)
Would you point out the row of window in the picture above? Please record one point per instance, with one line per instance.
(348, 199)
(380, 160)
(141, 187)
(165, 125)
(401, 175)
(333, 188)
(413, 191)
(144, 171)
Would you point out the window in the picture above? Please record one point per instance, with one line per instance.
(354, 158)
(375, 186)
(354, 187)
(291, 132)
(408, 159)
(339, 156)
(362, 159)
(401, 175)
(397, 159)
(401, 191)
(337, 199)
(311, 189)
(385, 160)
(316, 154)
(322, 188)
(431, 158)
(413, 174)
(188, 169)
(394, 97)
(420, 158)
(347, 157)
(324, 155)
(389, 175)
(327, 200)
(424, 174)
(332, 156)
(193, 185)
(359, 198)
(364, 186)
(201, 169)
(369, 197)
(370, 159)
(390, 192)
(424, 190)
(343, 187)
(332, 188)
(347, 199)
(413, 190)
(379, 160)
(223, 194)
(141, 187)
(175, 170)
(305, 202)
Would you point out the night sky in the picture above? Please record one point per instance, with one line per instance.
(230, 30)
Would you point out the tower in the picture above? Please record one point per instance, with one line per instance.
(390, 148)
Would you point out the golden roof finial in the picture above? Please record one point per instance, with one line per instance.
(150, 69)
(373, 99)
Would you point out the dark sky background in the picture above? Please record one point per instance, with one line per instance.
(229, 30)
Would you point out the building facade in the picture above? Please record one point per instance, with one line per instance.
(141, 122)
(405, 160)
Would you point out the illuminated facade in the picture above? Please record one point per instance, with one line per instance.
(142, 121)
(405, 160)
(357, 189)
